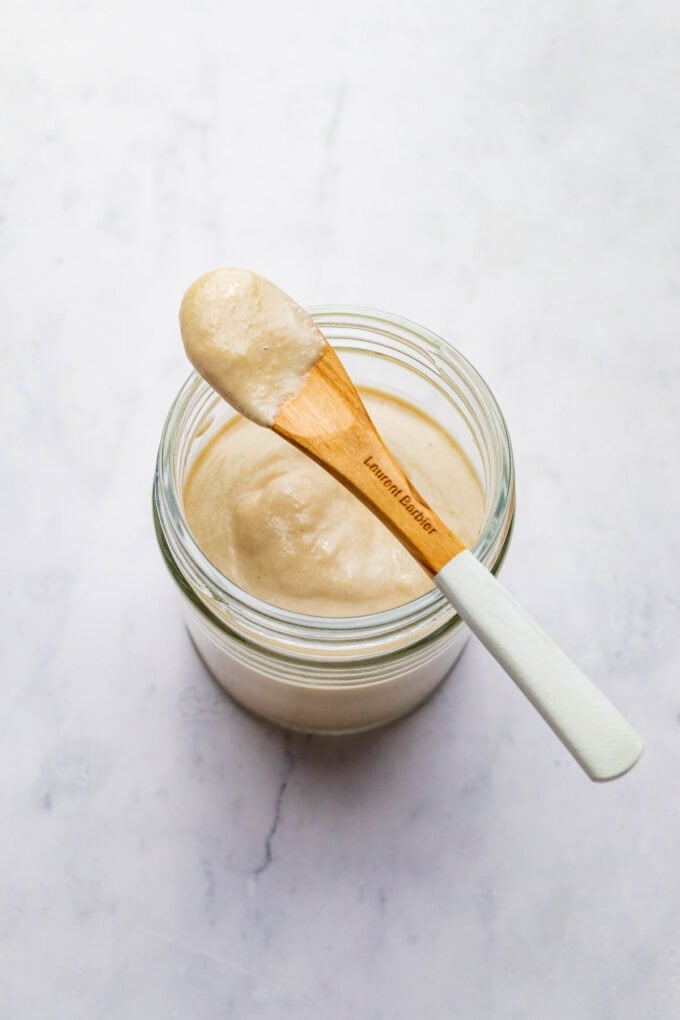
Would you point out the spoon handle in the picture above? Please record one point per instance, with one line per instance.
(603, 743)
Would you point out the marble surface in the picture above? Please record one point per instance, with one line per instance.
(505, 173)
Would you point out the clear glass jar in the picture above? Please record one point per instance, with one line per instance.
(320, 674)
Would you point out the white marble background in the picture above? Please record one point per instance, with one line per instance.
(508, 174)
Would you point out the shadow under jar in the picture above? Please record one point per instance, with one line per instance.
(337, 675)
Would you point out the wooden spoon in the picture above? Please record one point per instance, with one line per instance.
(328, 421)
(266, 356)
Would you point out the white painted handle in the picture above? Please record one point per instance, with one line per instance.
(601, 740)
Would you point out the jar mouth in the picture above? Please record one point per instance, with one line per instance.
(227, 604)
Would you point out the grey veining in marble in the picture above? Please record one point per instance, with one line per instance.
(506, 174)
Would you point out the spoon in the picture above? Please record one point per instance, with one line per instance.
(235, 326)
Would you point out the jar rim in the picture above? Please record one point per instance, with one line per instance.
(206, 586)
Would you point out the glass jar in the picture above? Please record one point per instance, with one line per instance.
(320, 674)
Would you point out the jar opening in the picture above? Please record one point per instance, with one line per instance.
(415, 364)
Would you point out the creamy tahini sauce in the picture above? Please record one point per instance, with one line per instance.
(281, 527)
(249, 339)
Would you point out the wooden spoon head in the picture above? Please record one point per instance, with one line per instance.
(264, 354)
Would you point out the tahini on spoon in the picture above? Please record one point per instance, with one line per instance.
(327, 420)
